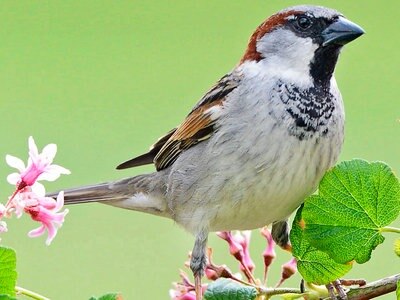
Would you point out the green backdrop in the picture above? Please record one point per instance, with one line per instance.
(104, 79)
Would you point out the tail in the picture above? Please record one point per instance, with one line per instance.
(145, 193)
(90, 193)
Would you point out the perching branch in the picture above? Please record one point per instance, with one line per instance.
(374, 289)
(371, 290)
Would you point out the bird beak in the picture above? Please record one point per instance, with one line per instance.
(341, 32)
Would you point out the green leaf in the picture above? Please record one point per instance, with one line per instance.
(314, 265)
(110, 296)
(397, 247)
(8, 273)
(226, 289)
(7, 297)
(398, 290)
(356, 200)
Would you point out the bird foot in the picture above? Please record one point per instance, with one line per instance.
(336, 285)
(197, 287)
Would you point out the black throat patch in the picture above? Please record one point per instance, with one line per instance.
(308, 111)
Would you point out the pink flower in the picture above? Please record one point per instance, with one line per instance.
(2, 210)
(239, 248)
(183, 290)
(29, 198)
(269, 253)
(46, 211)
(288, 269)
(29, 195)
(39, 166)
(210, 274)
(243, 237)
(180, 292)
(235, 248)
(3, 226)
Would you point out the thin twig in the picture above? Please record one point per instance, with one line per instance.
(278, 291)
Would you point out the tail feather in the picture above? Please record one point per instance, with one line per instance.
(91, 193)
(145, 193)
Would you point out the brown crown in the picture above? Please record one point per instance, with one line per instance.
(270, 24)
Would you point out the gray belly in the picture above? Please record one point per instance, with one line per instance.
(225, 188)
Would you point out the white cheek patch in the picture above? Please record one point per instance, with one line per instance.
(287, 56)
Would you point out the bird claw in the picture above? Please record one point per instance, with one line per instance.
(336, 285)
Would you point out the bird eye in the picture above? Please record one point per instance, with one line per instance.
(304, 22)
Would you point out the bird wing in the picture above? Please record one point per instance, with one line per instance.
(198, 126)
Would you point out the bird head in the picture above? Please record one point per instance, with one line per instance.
(302, 39)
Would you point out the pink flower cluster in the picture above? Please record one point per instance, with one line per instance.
(29, 195)
(239, 244)
(183, 290)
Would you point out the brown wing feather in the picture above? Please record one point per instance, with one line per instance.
(198, 126)
(147, 158)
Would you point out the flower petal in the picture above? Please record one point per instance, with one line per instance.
(51, 233)
(13, 178)
(15, 162)
(59, 169)
(3, 226)
(48, 203)
(49, 176)
(58, 219)
(53, 172)
(2, 210)
(37, 232)
(60, 201)
(49, 152)
(38, 189)
(33, 150)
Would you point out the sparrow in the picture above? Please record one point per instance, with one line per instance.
(255, 145)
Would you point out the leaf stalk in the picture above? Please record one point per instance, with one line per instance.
(22, 291)
(390, 229)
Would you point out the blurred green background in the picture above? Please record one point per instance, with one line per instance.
(104, 79)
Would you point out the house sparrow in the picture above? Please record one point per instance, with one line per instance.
(255, 145)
